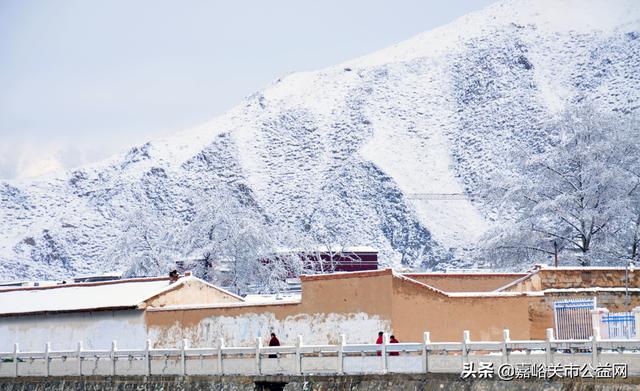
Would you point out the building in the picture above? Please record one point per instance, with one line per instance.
(324, 259)
(94, 312)
(357, 304)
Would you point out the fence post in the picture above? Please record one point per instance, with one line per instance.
(505, 349)
(47, 367)
(16, 349)
(183, 357)
(343, 341)
(547, 347)
(597, 315)
(258, 347)
(594, 346)
(636, 314)
(79, 354)
(114, 347)
(147, 356)
(220, 347)
(299, 355)
(466, 338)
(385, 342)
(426, 340)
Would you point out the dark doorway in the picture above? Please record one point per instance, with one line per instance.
(270, 386)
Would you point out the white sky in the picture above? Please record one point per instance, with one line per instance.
(80, 80)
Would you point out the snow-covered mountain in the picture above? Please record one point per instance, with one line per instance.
(393, 148)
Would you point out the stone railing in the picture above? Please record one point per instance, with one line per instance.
(343, 358)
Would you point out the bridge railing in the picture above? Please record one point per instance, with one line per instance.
(297, 359)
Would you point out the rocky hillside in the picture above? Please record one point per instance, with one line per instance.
(392, 150)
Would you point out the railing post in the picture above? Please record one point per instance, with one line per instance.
(594, 347)
(426, 340)
(506, 338)
(220, 347)
(636, 315)
(343, 341)
(258, 347)
(114, 348)
(299, 355)
(465, 345)
(597, 315)
(47, 360)
(79, 355)
(183, 357)
(385, 342)
(547, 347)
(16, 349)
(147, 357)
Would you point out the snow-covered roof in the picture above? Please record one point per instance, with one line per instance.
(118, 294)
(249, 301)
(282, 297)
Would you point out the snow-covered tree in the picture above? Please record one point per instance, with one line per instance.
(571, 198)
(628, 235)
(236, 241)
(325, 233)
(148, 244)
(222, 241)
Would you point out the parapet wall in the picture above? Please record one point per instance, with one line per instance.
(480, 282)
(558, 278)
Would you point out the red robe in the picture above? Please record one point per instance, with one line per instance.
(274, 342)
(393, 340)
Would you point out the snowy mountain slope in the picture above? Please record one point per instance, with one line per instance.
(392, 149)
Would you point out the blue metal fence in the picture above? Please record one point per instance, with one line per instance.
(620, 325)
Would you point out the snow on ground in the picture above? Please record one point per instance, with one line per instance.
(420, 164)
(362, 144)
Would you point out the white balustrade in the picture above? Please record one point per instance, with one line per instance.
(299, 359)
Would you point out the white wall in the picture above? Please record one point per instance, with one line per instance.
(243, 330)
(96, 330)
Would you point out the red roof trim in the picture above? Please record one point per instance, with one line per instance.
(83, 284)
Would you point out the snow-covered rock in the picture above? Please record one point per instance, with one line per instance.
(394, 147)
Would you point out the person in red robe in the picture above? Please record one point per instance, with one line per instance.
(274, 342)
(379, 341)
(393, 340)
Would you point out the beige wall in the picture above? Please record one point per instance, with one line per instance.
(571, 278)
(374, 302)
(356, 306)
(191, 292)
(360, 304)
(587, 278)
(527, 284)
(541, 308)
(465, 282)
(417, 309)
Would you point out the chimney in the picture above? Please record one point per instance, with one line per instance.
(187, 273)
